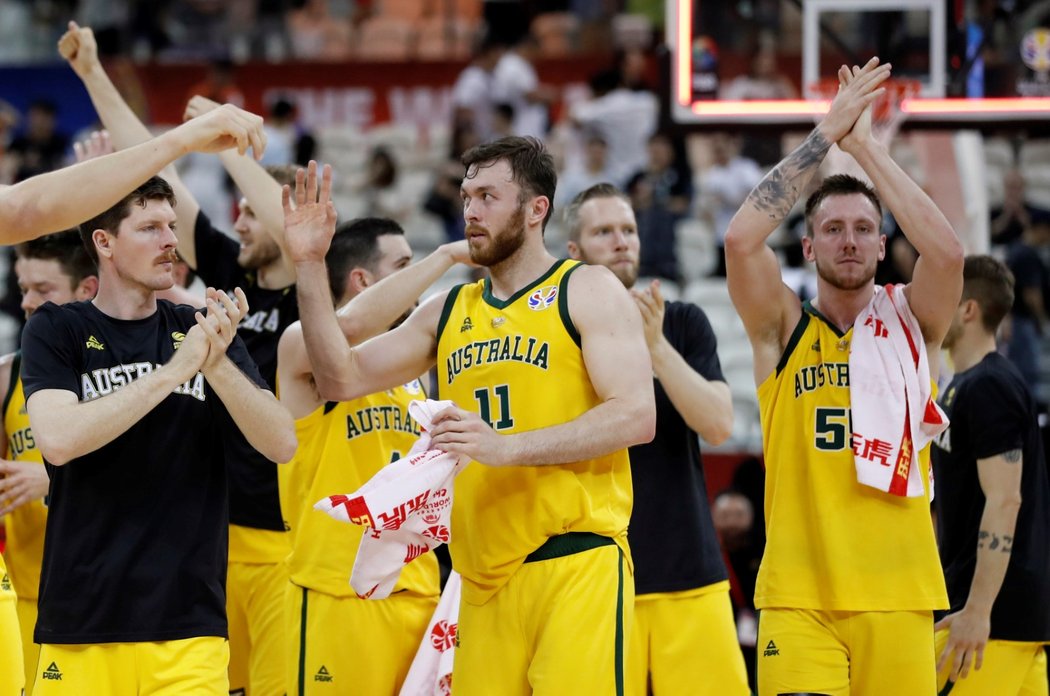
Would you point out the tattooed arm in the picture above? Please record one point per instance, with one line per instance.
(1000, 478)
(769, 308)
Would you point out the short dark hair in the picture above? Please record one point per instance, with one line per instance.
(530, 164)
(64, 247)
(990, 283)
(356, 245)
(572, 213)
(153, 189)
(838, 185)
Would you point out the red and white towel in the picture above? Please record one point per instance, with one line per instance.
(406, 508)
(894, 414)
(431, 670)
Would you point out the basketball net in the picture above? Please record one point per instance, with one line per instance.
(886, 118)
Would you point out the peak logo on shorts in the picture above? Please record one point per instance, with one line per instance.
(5, 583)
(323, 675)
(52, 672)
(771, 650)
(543, 298)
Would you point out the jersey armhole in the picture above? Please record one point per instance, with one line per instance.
(16, 370)
(796, 336)
(446, 311)
(563, 307)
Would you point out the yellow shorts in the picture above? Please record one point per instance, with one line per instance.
(845, 653)
(1009, 669)
(12, 677)
(685, 643)
(344, 645)
(30, 650)
(559, 626)
(190, 666)
(255, 611)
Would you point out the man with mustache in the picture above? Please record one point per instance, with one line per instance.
(684, 637)
(850, 576)
(256, 263)
(547, 363)
(133, 401)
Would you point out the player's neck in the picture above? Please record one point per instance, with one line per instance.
(122, 300)
(970, 350)
(520, 269)
(842, 307)
(276, 275)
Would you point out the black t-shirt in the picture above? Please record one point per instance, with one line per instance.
(137, 536)
(992, 411)
(672, 538)
(254, 501)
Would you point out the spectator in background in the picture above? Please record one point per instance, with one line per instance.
(9, 118)
(502, 120)
(315, 34)
(899, 264)
(762, 82)
(444, 200)
(219, 84)
(472, 100)
(382, 195)
(1028, 315)
(624, 117)
(1015, 214)
(594, 169)
(515, 82)
(287, 142)
(724, 187)
(661, 194)
(41, 148)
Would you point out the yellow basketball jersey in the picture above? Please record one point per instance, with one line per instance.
(341, 446)
(831, 542)
(518, 364)
(25, 526)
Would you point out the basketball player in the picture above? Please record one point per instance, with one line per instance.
(54, 268)
(342, 445)
(548, 365)
(254, 262)
(849, 578)
(684, 638)
(993, 505)
(132, 402)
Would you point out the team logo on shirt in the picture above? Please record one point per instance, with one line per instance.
(443, 635)
(467, 325)
(52, 672)
(771, 650)
(177, 337)
(5, 583)
(93, 342)
(543, 298)
(323, 675)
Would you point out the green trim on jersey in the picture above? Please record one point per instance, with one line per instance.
(12, 382)
(302, 645)
(796, 336)
(446, 310)
(503, 304)
(563, 306)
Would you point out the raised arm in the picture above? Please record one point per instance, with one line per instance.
(618, 366)
(969, 628)
(769, 308)
(340, 372)
(262, 190)
(937, 280)
(125, 128)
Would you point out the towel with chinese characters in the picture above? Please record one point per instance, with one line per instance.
(891, 401)
(406, 509)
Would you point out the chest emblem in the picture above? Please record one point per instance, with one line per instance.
(543, 298)
(94, 343)
(498, 322)
(177, 337)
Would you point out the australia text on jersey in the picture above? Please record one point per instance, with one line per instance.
(385, 417)
(513, 348)
(105, 380)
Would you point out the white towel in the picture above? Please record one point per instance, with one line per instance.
(406, 508)
(894, 414)
(431, 670)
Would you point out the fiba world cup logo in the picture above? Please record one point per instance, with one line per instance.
(443, 635)
(1035, 51)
